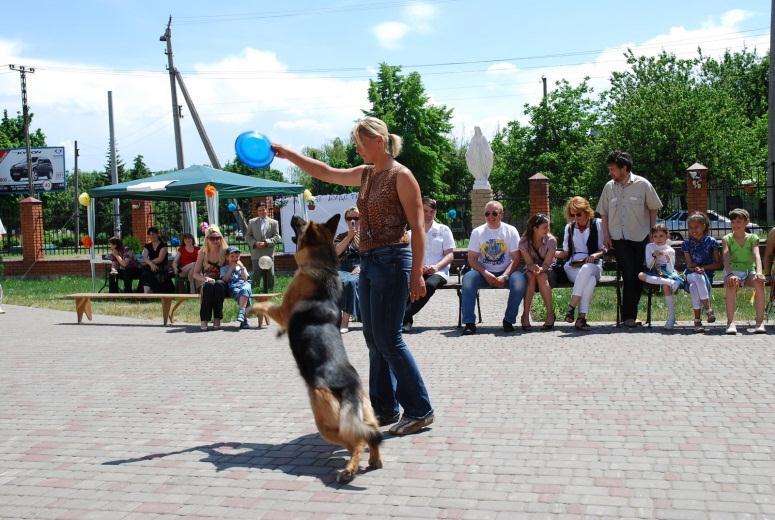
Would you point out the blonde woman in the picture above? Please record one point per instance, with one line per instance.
(389, 204)
(583, 250)
(211, 257)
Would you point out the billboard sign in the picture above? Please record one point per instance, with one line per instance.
(48, 170)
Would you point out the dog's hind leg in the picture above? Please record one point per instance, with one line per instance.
(353, 465)
(375, 460)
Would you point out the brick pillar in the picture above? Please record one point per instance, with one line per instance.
(479, 199)
(697, 188)
(32, 229)
(539, 194)
(142, 219)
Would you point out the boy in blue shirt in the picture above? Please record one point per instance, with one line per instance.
(235, 275)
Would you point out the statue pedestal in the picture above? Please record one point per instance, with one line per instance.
(479, 199)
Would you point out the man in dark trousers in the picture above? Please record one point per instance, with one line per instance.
(628, 206)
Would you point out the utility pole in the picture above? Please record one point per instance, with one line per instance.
(167, 37)
(75, 200)
(771, 124)
(22, 70)
(114, 168)
(543, 80)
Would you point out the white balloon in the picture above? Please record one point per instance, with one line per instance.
(265, 262)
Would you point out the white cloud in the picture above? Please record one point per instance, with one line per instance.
(390, 34)
(417, 18)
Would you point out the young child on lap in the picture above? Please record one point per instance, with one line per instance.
(236, 277)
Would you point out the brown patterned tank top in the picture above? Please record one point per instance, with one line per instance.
(383, 221)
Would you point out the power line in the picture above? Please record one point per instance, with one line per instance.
(240, 17)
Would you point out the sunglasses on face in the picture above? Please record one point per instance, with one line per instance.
(214, 239)
(356, 219)
(491, 213)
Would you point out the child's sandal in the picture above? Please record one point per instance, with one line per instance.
(710, 315)
(698, 326)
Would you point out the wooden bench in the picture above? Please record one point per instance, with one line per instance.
(83, 302)
(680, 265)
(459, 266)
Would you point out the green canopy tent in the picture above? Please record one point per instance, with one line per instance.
(188, 186)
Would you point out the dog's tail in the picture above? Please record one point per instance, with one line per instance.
(356, 421)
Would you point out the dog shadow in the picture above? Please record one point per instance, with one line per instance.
(308, 455)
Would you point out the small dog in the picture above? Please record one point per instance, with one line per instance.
(309, 313)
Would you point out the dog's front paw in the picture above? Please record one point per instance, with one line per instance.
(345, 476)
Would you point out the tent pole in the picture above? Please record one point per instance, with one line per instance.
(208, 145)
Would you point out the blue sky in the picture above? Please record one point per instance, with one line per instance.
(298, 71)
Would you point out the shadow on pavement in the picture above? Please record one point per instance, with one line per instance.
(308, 455)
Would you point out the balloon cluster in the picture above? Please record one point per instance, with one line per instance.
(210, 191)
(84, 199)
(452, 214)
(86, 241)
(204, 226)
(231, 207)
(175, 241)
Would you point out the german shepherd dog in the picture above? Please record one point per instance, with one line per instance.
(309, 313)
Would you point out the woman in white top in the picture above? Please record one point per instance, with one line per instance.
(582, 250)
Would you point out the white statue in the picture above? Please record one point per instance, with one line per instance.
(479, 159)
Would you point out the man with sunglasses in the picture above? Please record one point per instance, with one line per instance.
(439, 253)
(262, 235)
(628, 207)
(493, 255)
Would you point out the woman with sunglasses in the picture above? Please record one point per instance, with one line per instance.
(349, 253)
(389, 202)
(582, 250)
(207, 271)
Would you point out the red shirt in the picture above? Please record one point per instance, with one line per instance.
(184, 257)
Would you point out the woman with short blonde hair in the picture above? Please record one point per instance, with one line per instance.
(583, 250)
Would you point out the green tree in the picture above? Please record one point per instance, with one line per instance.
(139, 170)
(12, 132)
(336, 154)
(120, 168)
(667, 117)
(401, 102)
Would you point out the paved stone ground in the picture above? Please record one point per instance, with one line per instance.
(123, 418)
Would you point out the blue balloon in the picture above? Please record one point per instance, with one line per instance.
(231, 207)
(452, 214)
(175, 241)
(254, 149)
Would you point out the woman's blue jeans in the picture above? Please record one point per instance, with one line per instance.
(383, 289)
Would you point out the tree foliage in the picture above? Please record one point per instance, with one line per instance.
(237, 166)
(401, 102)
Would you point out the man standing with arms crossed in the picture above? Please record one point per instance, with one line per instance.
(628, 206)
(262, 235)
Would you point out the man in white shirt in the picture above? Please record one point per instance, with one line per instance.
(493, 255)
(262, 235)
(439, 248)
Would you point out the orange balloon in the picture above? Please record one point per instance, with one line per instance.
(86, 241)
(210, 191)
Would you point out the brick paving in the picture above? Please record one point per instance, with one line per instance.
(123, 418)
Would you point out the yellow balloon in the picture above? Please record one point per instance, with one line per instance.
(84, 199)
(308, 195)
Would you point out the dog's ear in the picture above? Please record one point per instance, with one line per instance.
(332, 224)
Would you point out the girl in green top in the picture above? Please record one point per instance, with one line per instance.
(742, 268)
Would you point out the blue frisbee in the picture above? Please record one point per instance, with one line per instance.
(254, 149)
